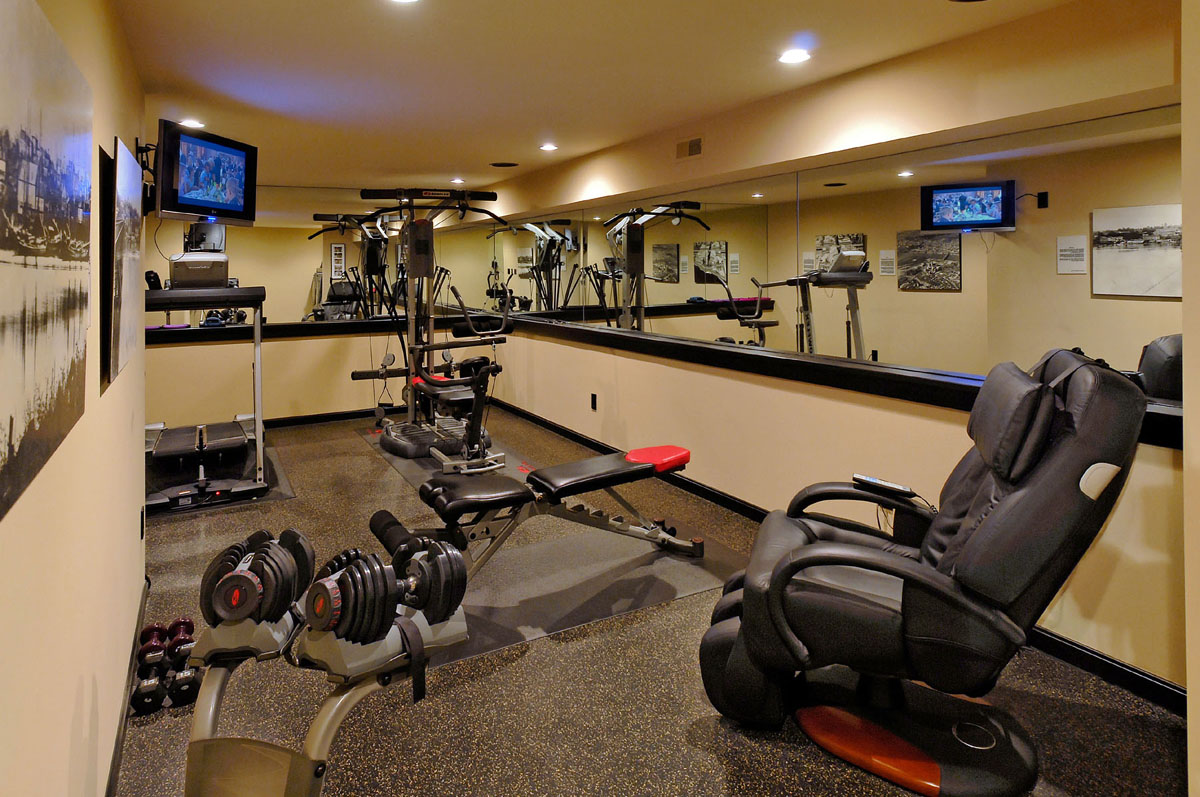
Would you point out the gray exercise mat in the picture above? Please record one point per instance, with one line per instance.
(529, 591)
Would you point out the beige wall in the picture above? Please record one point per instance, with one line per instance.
(1125, 598)
(282, 259)
(302, 376)
(74, 561)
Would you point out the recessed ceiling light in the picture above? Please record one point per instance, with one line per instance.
(834, 185)
(595, 218)
(503, 164)
(756, 196)
(794, 56)
(905, 174)
(404, 1)
(548, 147)
(458, 181)
(191, 123)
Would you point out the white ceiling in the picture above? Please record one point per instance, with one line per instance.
(359, 93)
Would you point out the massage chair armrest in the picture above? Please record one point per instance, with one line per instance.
(823, 554)
(912, 519)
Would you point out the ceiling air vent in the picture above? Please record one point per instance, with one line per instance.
(690, 148)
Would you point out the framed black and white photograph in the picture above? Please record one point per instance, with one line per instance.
(710, 260)
(665, 262)
(127, 301)
(830, 246)
(1138, 251)
(929, 261)
(45, 244)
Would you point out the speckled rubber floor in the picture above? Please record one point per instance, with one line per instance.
(613, 707)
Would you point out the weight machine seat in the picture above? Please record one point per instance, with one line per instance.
(596, 473)
(453, 495)
(840, 279)
(457, 399)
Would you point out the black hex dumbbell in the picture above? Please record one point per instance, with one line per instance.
(184, 687)
(148, 695)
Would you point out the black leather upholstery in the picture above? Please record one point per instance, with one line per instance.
(1051, 454)
(594, 473)
(1161, 368)
(454, 495)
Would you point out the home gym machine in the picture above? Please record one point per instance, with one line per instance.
(368, 284)
(190, 466)
(501, 294)
(436, 403)
(851, 271)
(626, 234)
(550, 240)
(366, 621)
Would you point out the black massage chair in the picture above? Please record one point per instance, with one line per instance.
(1160, 370)
(834, 620)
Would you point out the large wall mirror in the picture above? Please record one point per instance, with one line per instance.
(1095, 262)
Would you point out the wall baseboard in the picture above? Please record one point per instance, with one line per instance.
(114, 767)
(1145, 685)
(1141, 683)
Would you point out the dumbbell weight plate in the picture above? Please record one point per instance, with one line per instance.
(355, 618)
(258, 538)
(391, 598)
(265, 571)
(217, 569)
(365, 599)
(374, 593)
(302, 552)
(347, 591)
(283, 596)
(148, 696)
(382, 620)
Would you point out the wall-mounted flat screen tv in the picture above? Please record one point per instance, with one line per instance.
(204, 177)
(969, 207)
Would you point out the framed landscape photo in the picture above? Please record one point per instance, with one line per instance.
(1138, 251)
(45, 244)
(711, 261)
(665, 262)
(929, 261)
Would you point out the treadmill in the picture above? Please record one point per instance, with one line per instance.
(851, 271)
(189, 466)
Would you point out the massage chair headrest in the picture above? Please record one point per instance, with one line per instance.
(1011, 421)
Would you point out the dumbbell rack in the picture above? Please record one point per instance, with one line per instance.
(233, 767)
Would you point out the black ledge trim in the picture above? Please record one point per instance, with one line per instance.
(384, 326)
(1145, 685)
(326, 417)
(1141, 683)
(1163, 425)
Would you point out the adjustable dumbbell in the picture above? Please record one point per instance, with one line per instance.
(152, 658)
(259, 578)
(434, 583)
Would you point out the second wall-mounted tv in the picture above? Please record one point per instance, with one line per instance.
(969, 206)
(204, 177)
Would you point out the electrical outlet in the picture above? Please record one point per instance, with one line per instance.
(593, 402)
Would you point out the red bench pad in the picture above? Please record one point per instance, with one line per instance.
(663, 458)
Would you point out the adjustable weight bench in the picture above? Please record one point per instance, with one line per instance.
(488, 508)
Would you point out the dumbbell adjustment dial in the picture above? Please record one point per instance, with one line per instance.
(237, 595)
(324, 607)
